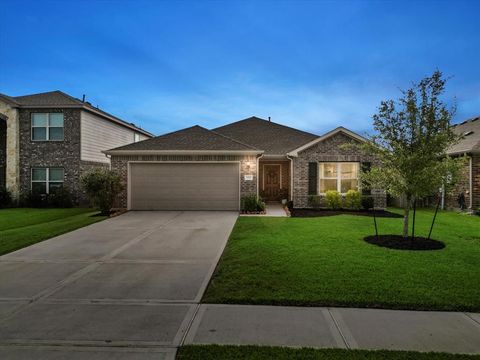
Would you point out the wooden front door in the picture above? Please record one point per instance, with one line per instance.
(271, 180)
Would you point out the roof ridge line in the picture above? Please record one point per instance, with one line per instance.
(234, 140)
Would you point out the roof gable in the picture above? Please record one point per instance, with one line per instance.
(58, 99)
(273, 138)
(193, 139)
(329, 134)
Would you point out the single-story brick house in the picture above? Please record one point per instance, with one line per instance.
(200, 169)
(469, 182)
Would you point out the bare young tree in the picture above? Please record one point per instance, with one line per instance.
(412, 135)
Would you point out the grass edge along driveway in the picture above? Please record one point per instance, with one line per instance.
(325, 262)
(231, 352)
(22, 227)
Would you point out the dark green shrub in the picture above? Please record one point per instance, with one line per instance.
(252, 203)
(353, 200)
(61, 198)
(102, 187)
(333, 199)
(5, 198)
(290, 205)
(367, 202)
(314, 201)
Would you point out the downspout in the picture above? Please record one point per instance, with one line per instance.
(258, 174)
(291, 177)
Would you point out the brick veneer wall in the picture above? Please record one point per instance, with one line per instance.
(248, 166)
(462, 185)
(328, 150)
(64, 154)
(3, 151)
(476, 181)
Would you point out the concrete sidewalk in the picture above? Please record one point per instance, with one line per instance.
(336, 328)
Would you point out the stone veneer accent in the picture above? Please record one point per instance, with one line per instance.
(324, 151)
(65, 154)
(248, 164)
(463, 184)
(12, 168)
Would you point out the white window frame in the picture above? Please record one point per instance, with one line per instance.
(339, 175)
(136, 137)
(47, 177)
(47, 127)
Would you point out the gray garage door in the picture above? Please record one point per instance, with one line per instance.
(184, 186)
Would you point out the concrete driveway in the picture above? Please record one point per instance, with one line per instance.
(124, 288)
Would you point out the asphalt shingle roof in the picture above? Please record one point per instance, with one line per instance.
(470, 130)
(273, 138)
(195, 138)
(60, 99)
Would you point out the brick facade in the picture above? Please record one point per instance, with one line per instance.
(476, 181)
(3, 151)
(248, 166)
(327, 150)
(64, 154)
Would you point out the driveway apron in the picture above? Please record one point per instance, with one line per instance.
(127, 287)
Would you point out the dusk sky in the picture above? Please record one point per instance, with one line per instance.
(313, 65)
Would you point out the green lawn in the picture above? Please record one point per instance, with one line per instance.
(216, 352)
(21, 227)
(325, 262)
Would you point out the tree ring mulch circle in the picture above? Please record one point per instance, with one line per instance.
(399, 243)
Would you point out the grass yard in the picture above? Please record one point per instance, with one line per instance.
(21, 227)
(216, 352)
(325, 262)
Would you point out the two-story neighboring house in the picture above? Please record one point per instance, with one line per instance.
(48, 140)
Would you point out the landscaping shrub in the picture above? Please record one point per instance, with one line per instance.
(102, 187)
(367, 202)
(252, 203)
(61, 198)
(353, 200)
(5, 198)
(333, 199)
(314, 201)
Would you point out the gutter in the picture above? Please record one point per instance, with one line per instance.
(182, 152)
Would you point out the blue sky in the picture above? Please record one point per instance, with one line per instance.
(308, 64)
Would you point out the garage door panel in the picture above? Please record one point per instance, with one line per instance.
(184, 186)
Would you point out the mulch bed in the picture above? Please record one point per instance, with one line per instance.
(399, 243)
(327, 212)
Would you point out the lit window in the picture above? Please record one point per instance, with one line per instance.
(47, 126)
(339, 176)
(47, 180)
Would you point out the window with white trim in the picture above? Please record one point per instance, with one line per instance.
(47, 126)
(46, 180)
(136, 137)
(339, 176)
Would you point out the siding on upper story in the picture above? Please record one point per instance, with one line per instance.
(98, 134)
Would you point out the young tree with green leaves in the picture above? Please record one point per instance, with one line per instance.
(412, 135)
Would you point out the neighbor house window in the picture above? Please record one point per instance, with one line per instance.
(136, 137)
(47, 126)
(46, 180)
(339, 176)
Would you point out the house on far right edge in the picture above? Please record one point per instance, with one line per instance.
(469, 182)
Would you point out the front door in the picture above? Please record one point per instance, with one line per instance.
(271, 182)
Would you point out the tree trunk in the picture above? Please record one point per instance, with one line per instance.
(406, 212)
